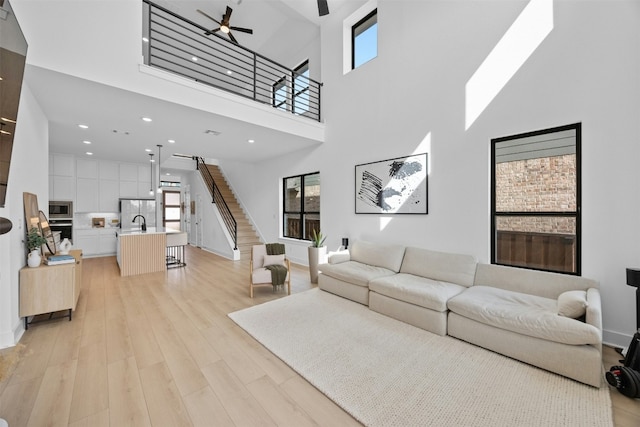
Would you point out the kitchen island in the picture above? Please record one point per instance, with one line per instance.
(140, 252)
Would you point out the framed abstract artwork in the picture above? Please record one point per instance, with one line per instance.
(394, 186)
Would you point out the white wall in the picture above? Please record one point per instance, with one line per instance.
(215, 238)
(28, 173)
(585, 70)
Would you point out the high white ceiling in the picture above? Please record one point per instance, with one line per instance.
(118, 134)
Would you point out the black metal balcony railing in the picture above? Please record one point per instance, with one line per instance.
(180, 46)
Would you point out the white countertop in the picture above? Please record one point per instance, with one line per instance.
(150, 230)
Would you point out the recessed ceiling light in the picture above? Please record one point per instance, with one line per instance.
(148, 150)
(89, 153)
(168, 174)
(83, 126)
(194, 58)
(87, 142)
(147, 119)
(229, 72)
(251, 141)
(145, 39)
(171, 141)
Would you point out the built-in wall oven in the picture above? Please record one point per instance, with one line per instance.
(61, 218)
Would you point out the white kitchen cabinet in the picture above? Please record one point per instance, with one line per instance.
(87, 199)
(87, 168)
(96, 241)
(107, 241)
(109, 194)
(63, 188)
(128, 172)
(108, 170)
(62, 165)
(87, 240)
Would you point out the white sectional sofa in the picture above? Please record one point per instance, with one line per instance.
(512, 311)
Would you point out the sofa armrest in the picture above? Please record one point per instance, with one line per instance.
(339, 256)
(594, 310)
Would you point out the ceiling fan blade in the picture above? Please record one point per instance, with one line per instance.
(233, 39)
(213, 19)
(227, 15)
(323, 7)
(244, 30)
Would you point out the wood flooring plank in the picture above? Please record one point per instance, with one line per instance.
(205, 409)
(53, 403)
(239, 403)
(119, 344)
(282, 409)
(91, 388)
(127, 405)
(163, 397)
(268, 362)
(35, 356)
(145, 347)
(67, 345)
(316, 404)
(17, 400)
(100, 419)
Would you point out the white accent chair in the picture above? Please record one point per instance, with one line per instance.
(259, 275)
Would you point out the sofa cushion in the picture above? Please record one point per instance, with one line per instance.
(541, 283)
(421, 291)
(447, 267)
(572, 304)
(354, 272)
(525, 314)
(379, 255)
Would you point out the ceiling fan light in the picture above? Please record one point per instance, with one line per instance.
(224, 29)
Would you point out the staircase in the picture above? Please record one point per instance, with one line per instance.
(247, 236)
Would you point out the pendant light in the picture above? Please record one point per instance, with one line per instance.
(159, 171)
(151, 168)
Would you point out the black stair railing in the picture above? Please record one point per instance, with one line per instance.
(180, 46)
(217, 198)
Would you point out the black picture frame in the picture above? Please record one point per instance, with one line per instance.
(393, 186)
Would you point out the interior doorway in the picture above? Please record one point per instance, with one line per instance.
(171, 216)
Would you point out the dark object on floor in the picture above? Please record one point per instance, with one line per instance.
(627, 378)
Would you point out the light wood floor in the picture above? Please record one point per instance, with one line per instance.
(159, 349)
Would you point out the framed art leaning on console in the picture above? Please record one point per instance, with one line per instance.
(394, 186)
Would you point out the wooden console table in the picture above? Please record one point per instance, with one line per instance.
(50, 288)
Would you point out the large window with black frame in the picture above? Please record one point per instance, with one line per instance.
(301, 205)
(535, 200)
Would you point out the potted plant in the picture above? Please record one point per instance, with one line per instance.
(317, 254)
(34, 241)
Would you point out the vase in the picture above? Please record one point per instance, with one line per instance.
(65, 246)
(33, 259)
(316, 256)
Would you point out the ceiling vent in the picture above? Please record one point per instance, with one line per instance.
(212, 132)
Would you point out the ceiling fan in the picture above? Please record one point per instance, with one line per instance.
(224, 25)
(323, 7)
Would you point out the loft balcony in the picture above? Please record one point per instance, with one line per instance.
(180, 46)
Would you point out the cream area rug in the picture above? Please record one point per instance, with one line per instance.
(387, 373)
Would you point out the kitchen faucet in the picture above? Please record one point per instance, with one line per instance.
(144, 222)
